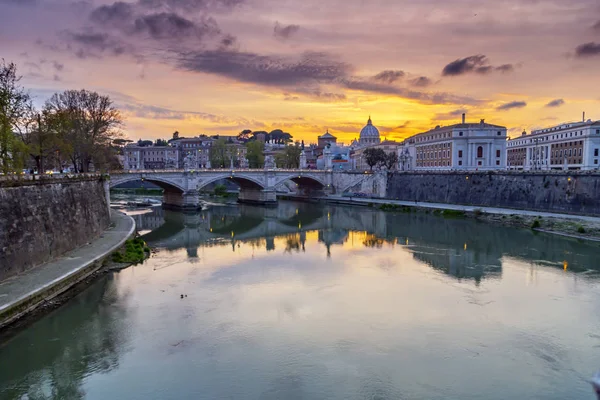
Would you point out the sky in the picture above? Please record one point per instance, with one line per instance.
(222, 66)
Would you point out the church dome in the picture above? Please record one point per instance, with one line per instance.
(369, 134)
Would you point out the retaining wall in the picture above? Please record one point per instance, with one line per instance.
(41, 220)
(577, 193)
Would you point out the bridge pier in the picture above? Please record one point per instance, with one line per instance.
(258, 196)
(188, 200)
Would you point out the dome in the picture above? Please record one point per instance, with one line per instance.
(369, 134)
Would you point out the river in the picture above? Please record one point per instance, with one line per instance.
(305, 301)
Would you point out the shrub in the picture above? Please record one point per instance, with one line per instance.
(220, 190)
(453, 213)
(536, 224)
(477, 212)
(580, 229)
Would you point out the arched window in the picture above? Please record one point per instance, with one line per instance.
(480, 152)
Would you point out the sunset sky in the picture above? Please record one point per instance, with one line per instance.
(221, 66)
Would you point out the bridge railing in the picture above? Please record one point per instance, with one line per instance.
(228, 170)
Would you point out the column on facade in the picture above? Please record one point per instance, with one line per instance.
(491, 157)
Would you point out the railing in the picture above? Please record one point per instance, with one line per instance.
(228, 170)
(46, 178)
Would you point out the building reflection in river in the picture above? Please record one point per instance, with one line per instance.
(462, 248)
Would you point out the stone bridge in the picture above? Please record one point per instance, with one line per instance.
(182, 187)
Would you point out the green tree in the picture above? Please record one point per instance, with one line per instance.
(289, 158)
(254, 154)
(14, 105)
(219, 154)
(374, 156)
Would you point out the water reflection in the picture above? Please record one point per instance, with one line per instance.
(462, 248)
(312, 302)
(50, 359)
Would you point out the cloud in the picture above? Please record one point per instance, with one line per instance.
(171, 26)
(285, 32)
(389, 76)
(156, 112)
(191, 5)
(58, 66)
(423, 97)
(116, 14)
(90, 44)
(421, 81)
(19, 2)
(266, 70)
(590, 49)
(555, 103)
(449, 115)
(504, 68)
(596, 26)
(320, 95)
(478, 63)
(511, 105)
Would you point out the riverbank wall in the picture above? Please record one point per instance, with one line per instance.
(42, 218)
(576, 193)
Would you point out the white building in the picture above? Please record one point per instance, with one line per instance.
(464, 146)
(568, 146)
(150, 157)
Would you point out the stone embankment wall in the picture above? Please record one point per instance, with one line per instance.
(577, 193)
(41, 220)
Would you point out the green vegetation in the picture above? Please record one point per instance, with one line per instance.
(395, 207)
(536, 224)
(580, 229)
(453, 213)
(75, 128)
(290, 158)
(220, 190)
(135, 251)
(254, 154)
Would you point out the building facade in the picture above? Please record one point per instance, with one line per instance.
(150, 157)
(464, 146)
(569, 146)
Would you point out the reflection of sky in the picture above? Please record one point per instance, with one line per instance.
(368, 321)
(372, 320)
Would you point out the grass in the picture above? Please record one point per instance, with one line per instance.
(453, 213)
(535, 224)
(395, 207)
(134, 251)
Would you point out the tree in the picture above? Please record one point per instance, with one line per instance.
(160, 142)
(245, 136)
(254, 154)
(14, 104)
(290, 158)
(390, 161)
(90, 124)
(219, 154)
(374, 156)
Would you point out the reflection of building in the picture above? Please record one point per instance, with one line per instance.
(464, 146)
(569, 146)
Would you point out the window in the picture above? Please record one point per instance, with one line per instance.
(479, 152)
(497, 162)
(597, 131)
(460, 133)
(570, 152)
(459, 162)
(460, 153)
(479, 163)
(596, 161)
(580, 152)
(499, 133)
(595, 152)
(497, 153)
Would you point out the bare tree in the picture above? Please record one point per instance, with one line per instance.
(89, 123)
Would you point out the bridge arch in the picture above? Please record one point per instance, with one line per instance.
(244, 181)
(163, 183)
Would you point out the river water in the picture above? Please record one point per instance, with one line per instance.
(320, 302)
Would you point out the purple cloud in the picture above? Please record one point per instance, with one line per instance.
(285, 32)
(511, 105)
(478, 63)
(586, 50)
(555, 103)
(389, 76)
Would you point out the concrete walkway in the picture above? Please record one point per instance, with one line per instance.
(22, 293)
(489, 210)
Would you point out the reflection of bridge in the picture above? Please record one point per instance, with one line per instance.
(181, 188)
(461, 248)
